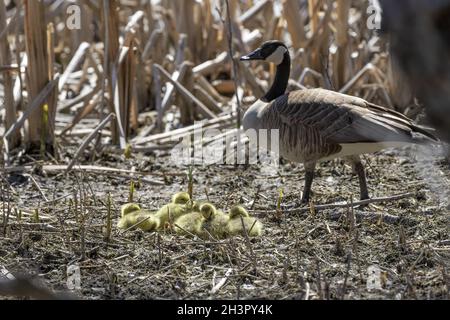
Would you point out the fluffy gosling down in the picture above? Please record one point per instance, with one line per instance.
(146, 221)
(206, 222)
(190, 224)
(200, 219)
(127, 212)
(241, 223)
(142, 219)
(179, 206)
(215, 223)
(129, 208)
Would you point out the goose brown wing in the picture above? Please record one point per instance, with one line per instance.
(341, 119)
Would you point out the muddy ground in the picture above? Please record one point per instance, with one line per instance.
(312, 255)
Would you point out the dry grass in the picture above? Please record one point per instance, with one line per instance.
(301, 256)
(158, 68)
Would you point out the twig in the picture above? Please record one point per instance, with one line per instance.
(35, 226)
(347, 273)
(341, 205)
(222, 282)
(36, 184)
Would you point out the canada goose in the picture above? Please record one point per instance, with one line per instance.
(128, 208)
(146, 219)
(238, 211)
(178, 206)
(216, 222)
(241, 222)
(181, 198)
(190, 224)
(126, 222)
(317, 124)
(127, 211)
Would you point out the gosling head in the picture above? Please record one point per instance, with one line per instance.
(238, 211)
(208, 210)
(129, 208)
(181, 198)
(270, 51)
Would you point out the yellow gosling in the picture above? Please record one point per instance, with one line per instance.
(128, 208)
(181, 198)
(127, 212)
(146, 219)
(240, 222)
(127, 221)
(238, 211)
(216, 222)
(172, 211)
(190, 224)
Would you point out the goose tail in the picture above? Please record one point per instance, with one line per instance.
(424, 135)
(419, 134)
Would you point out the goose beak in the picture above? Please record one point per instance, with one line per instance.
(255, 55)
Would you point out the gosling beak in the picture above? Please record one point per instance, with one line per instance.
(255, 55)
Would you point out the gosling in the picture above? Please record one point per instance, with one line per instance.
(216, 222)
(241, 223)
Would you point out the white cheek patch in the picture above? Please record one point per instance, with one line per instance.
(277, 56)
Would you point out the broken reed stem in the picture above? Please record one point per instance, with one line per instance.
(190, 182)
(8, 85)
(186, 94)
(108, 227)
(131, 193)
(5, 205)
(89, 139)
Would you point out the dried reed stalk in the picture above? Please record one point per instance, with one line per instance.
(8, 85)
(295, 22)
(38, 69)
(110, 32)
(342, 65)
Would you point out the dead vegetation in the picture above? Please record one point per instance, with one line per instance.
(90, 107)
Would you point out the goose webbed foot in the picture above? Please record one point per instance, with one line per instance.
(305, 200)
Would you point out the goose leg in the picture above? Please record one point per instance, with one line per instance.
(309, 177)
(359, 169)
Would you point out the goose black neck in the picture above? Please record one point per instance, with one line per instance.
(281, 79)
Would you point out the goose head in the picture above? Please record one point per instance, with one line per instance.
(271, 51)
(276, 52)
(208, 211)
(129, 208)
(238, 211)
(181, 198)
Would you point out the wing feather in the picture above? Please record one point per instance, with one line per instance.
(340, 119)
